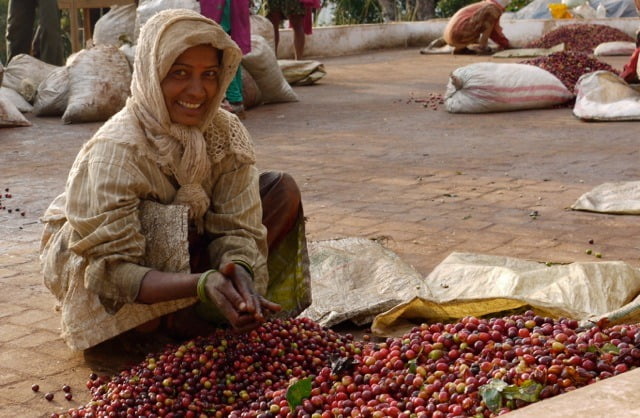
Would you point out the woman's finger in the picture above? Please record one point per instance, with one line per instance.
(272, 306)
(244, 285)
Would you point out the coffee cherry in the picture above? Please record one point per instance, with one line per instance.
(35, 387)
(48, 396)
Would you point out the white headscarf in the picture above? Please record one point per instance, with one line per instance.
(182, 149)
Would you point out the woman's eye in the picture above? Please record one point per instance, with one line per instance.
(179, 73)
(211, 74)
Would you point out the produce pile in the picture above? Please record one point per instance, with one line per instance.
(580, 37)
(568, 66)
(296, 368)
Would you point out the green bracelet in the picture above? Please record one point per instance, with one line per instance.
(202, 282)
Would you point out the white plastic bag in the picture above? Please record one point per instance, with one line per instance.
(498, 87)
(262, 63)
(99, 80)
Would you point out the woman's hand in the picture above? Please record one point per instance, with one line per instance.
(231, 290)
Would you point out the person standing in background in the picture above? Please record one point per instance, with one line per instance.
(300, 15)
(233, 16)
(46, 43)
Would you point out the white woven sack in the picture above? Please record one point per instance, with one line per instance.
(603, 95)
(146, 9)
(99, 80)
(10, 116)
(53, 94)
(615, 48)
(24, 73)
(117, 26)
(499, 87)
(262, 26)
(18, 101)
(263, 66)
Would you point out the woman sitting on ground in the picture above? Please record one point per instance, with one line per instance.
(173, 145)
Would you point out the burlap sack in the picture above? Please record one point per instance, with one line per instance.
(262, 26)
(14, 97)
(622, 198)
(10, 116)
(262, 63)
(615, 48)
(485, 87)
(604, 96)
(148, 8)
(53, 94)
(467, 284)
(251, 94)
(24, 73)
(116, 27)
(356, 279)
(99, 80)
(302, 72)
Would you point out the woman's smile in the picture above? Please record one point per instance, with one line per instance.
(191, 84)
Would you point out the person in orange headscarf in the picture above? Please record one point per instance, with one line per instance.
(475, 24)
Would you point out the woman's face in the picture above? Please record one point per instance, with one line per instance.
(191, 84)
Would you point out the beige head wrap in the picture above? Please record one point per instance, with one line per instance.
(181, 149)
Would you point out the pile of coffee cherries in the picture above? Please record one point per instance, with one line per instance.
(296, 368)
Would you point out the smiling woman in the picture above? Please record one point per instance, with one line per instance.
(191, 84)
(172, 144)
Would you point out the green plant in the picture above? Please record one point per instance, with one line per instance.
(516, 5)
(447, 8)
(350, 12)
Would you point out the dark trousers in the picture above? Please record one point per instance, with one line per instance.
(46, 43)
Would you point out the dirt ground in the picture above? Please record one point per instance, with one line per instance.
(372, 161)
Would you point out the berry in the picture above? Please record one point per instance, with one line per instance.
(48, 396)
(35, 387)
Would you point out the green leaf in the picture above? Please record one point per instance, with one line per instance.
(491, 394)
(529, 391)
(413, 366)
(610, 348)
(298, 391)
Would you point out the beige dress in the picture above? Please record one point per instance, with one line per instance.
(94, 249)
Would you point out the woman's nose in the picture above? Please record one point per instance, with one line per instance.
(196, 87)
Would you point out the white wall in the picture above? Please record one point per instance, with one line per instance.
(330, 41)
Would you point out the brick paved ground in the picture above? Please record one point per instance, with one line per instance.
(371, 162)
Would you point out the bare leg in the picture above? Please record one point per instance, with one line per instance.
(297, 23)
(275, 18)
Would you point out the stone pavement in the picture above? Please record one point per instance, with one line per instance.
(372, 161)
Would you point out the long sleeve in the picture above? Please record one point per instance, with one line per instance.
(103, 196)
(235, 219)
